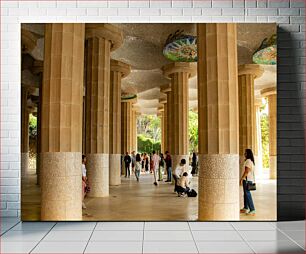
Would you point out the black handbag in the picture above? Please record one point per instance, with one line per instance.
(251, 186)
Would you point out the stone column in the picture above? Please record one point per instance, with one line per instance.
(247, 74)
(100, 40)
(24, 132)
(160, 114)
(134, 130)
(218, 122)
(179, 74)
(119, 70)
(163, 102)
(61, 122)
(126, 126)
(258, 144)
(168, 114)
(270, 93)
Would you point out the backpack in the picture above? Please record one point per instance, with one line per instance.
(192, 193)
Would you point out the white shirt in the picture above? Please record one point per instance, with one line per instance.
(83, 170)
(249, 164)
(179, 170)
(155, 159)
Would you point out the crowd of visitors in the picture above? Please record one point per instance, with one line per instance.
(156, 164)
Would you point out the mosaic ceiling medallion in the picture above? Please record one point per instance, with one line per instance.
(128, 96)
(267, 52)
(181, 48)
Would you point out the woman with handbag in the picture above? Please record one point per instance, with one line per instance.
(248, 182)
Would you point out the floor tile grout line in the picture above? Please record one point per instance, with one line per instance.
(143, 232)
(244, 240)
(90, 237)
(42, 238)
(10, 228)
(290, 238)
(193, 237)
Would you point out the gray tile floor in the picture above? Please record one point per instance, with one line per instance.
(152, 237)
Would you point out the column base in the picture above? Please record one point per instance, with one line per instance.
(114, 169)
(218, 187)
(273, 166)
(98, 174)
(24, 164)
(61, 186)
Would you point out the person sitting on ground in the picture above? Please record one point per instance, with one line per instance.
(178, 172)
(183, 185)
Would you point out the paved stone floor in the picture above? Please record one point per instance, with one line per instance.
(142, 201)
(152, 237)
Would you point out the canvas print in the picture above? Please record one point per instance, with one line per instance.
(148, 122)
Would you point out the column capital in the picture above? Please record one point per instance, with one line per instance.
(165, 88)
(176, 67)
(134, 100)
(268, 91)
(29, 40)
(105, 31)
(121, 67)
(250, 69)
(162, 101)
(160, 108)
(258, 102)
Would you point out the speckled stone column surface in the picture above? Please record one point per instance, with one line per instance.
(24, 133)
(270, 93)
(100, 40)
(218, 122)
(119, 70)
(179, 74)
(247, 73)
(61, 122)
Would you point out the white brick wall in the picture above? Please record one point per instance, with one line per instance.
(288, 13)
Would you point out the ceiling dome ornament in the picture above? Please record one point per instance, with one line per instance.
(267, 52)
(128, 96)
(180, 47)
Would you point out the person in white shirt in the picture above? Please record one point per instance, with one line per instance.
(155, 160)
(248, 177)
(84, 179)
(178, 172)
(183, 185)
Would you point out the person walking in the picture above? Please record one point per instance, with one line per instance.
(161, 167)
(168, 161)
(137, 166)
(194, 164)
(146, 158)
(155, 166)
(178, 172)
(133, 157)
(247, 178)
(127, 162)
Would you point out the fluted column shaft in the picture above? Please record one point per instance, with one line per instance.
(134, 131)
(218, 122)
(165, 126)
(169, 123)
(97, 114)
(61, 122)
(272, 135)
(126, 127)
(24, 132)
(247, 74)
(180, 95)
(258, 145)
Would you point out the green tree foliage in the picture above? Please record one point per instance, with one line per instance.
(32, 126)
(193, 131)
(149, 133)
(264, 123)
